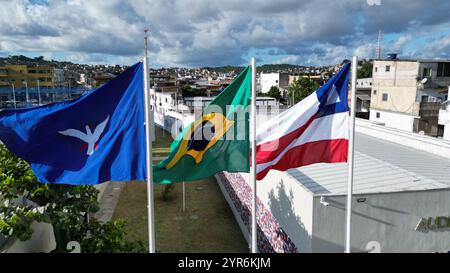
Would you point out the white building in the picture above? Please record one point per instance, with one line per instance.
(193, 102)
(363, 92)
(406, 94)
(444, 117)
(267, 80)
(82, 79)
(400, 204)
(164, 101)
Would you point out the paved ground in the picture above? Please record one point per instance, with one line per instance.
(108, 201)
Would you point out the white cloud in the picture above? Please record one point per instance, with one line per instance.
(205, 32)
(287, 60)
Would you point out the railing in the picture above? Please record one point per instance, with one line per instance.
(445, 104)
(429, 109)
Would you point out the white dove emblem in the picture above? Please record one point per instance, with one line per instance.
(88, 137)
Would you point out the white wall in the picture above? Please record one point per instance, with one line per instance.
(394, 120)
(419, 142)
(164, 101)
(389, 219)
(290, 204)
(447, 132)
(42, 240)
(364, 83)
(268, 80)
(446, 119)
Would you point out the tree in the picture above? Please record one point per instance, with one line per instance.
(66, 207)
(301, 88)
(274, 92)
(365, 71)
(39, 59)
(188, 91)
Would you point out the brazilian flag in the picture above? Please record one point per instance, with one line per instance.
(216, 141)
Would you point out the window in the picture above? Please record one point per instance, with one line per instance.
(376, 69)
(424, 99)
(388, 68)
(443, 70)
(385, 97)
(426, 72)
(378, 114)
(374, 92)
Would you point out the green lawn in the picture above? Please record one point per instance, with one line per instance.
(207, 225)
(162, 142)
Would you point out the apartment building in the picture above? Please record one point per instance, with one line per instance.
(407, 94)
(22, 76)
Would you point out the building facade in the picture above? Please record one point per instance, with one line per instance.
(363, 94)
(22, 76)
(267, 80)
(397, 207)
(407, 94)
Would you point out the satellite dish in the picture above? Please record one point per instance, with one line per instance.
(424, 80)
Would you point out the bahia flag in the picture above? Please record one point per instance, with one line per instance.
(216, 141)
(92, 139)
(314, 130)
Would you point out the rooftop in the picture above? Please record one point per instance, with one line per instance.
(435, 60)
(380, 167)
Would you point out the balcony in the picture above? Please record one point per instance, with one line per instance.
(429, 109)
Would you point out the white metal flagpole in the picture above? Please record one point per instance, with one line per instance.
(27, 98)
(149, 156)
(14, 96)
(39, 92)
(253, 149)
(184, 197)
(351, 148)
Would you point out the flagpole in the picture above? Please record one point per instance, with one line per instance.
(26, 92)
(351, 148)
(39, 92)
(253, 161)
(149, 156)
(184, 197)
(14, 96)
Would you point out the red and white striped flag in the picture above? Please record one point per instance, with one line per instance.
(312, 131)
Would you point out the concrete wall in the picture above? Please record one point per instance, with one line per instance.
(447, 132)
(268, 80)
(42, 240)
(389, 219)
(444, 118)
(165, 100)
(420, 142)
(364, 83)
(400, 121)
(290, 204)
(400, 84)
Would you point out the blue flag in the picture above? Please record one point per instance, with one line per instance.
(96, 138)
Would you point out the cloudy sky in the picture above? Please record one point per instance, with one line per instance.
(227, 32)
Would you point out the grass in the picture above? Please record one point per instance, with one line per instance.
(207, 225)
(162, 143)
